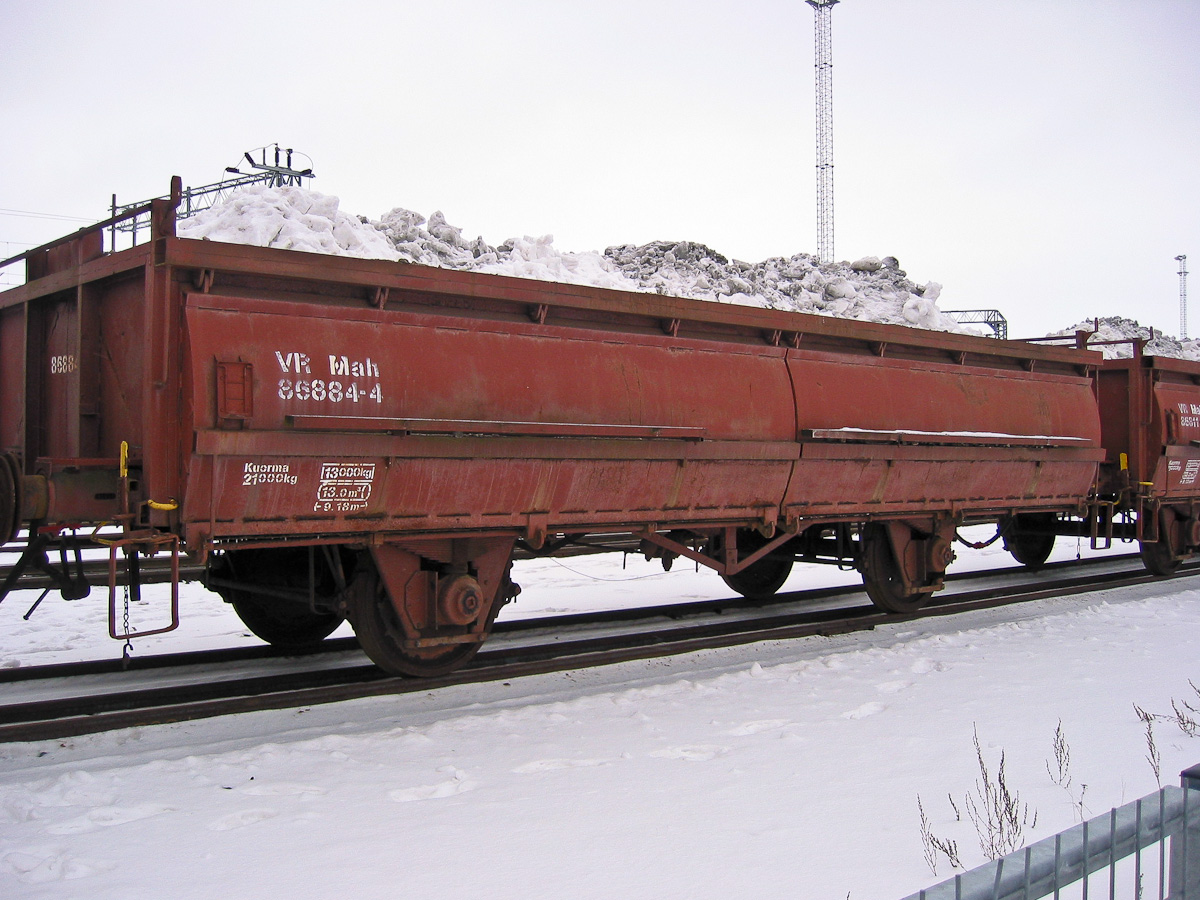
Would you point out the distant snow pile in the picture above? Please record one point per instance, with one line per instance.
(292, 218)
(1116, 328)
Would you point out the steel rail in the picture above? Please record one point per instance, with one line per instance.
(672, 611)
(53, 719)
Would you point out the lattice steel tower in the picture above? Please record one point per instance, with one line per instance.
(824, 65)
(1182, 260)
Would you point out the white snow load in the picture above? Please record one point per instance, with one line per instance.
(1125, 331)
(869, 289)
(293, 218)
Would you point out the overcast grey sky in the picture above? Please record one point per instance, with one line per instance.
(1037, 156)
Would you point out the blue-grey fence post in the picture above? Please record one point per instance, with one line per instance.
(1185, 846)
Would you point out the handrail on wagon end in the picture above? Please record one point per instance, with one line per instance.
(1082, 338)
(173, 199)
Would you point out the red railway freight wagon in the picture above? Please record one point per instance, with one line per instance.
(1150, 422)
(339, 437)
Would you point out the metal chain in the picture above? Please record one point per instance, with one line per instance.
(127, 650)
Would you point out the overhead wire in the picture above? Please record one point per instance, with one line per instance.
(28, 214)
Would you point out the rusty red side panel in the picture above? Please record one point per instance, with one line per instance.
(275, 394)
(12, 379)
(389, 420)
(1151, 413)
(883, 435)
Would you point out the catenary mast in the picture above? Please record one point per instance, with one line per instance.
(1182, 260)
(824, 66)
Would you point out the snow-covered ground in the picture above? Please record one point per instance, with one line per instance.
(784, 769)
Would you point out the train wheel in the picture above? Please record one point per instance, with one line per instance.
(289, 624)
(1031, 548)
(1158, 558)
(381, 636)
(763, 579)
(286, 625)
(881, 574)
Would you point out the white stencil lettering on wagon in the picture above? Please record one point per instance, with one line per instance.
(349, 381)
(62, 364)
(344, 487)
(268, 473)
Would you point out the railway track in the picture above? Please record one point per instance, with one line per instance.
(81, 698)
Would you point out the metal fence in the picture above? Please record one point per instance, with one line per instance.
(1144, 850)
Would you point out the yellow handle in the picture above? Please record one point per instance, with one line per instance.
(153, 504)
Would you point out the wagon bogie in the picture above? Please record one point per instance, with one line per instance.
(904, 563)
(423, 607)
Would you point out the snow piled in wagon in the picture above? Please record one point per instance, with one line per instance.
(870, 289)
(291, 218)
(1125, 331)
